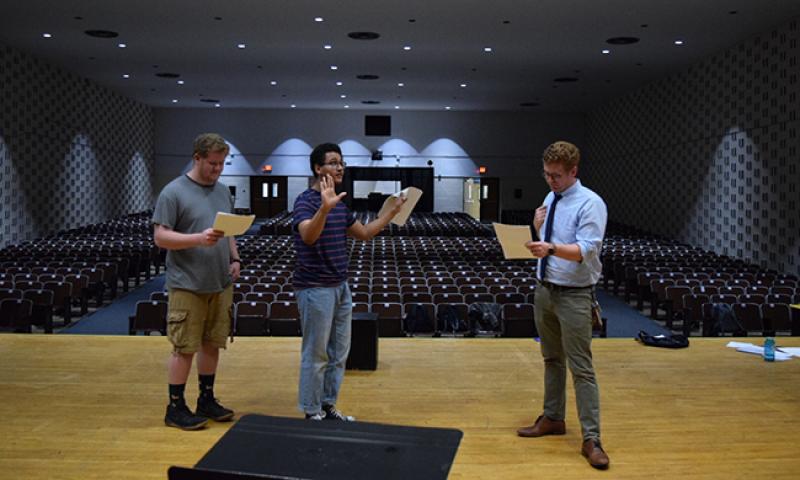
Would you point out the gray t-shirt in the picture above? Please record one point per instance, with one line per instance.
(185, 206)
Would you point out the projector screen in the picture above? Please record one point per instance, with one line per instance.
(362, 188)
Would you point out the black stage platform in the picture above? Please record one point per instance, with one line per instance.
(259, 447)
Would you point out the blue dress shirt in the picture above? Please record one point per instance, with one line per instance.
(580, 217)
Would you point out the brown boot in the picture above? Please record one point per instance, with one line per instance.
(595, 454)
(543, 426)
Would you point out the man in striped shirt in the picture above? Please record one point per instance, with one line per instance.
(321, 223)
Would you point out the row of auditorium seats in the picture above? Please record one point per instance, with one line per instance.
(256, 316)
(685, 282)
(60, 272)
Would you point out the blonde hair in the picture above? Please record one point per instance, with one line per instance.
(206, 143)
(563, 153)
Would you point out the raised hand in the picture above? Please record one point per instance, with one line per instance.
(328, 192)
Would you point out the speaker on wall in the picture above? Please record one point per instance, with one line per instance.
(377, 125)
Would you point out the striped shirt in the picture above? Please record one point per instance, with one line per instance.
(323, 263)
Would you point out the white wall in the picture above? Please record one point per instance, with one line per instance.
(509, 144)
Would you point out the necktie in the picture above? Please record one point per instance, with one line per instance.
(548, 232)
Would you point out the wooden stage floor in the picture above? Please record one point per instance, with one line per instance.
(80, 407)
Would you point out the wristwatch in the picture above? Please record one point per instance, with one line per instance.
(552, 249)
(236, 260)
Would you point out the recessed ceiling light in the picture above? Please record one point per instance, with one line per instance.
(319, 19)
(447, 108)
(334, 67)
(327, 47)
(487, 49)
(294, 106)
(121, 45)
(463, 85)
(174, 100)
(407, 47)
(606, 52)
(678, 42)
(181, 82)
(273, 83)
(347, 106)
(401, 84)
(342, 96)
(47, 35)
(217, 105)
(241, 45)
(338, 84)
(396, 107)
(125, 75)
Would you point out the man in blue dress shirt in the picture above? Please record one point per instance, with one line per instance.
(571, 225)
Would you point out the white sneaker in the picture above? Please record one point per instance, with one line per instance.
(316, 416)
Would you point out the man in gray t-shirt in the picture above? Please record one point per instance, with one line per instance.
(201, 267)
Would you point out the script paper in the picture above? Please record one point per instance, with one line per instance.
(232, 224)
(780, 356)
(411, 194)
(513, 238)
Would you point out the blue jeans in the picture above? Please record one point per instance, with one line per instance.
(326, 315)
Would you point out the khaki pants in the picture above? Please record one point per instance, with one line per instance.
(564, 321)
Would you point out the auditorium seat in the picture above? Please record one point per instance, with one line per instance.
(390, 319)
(15, 315)
(749, 316)
(777, 317)
(284, 318)
(693, 311)
(42, 309)
(518, 320)
(250, 318)
(149, 316)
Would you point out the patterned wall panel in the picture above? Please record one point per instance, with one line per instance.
(71, 152)
(710, 156)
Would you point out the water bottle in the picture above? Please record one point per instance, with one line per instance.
(769, 349)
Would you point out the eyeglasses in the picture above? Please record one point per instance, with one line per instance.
(552, 176)
(336, 164)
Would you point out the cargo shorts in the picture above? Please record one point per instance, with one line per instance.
(194, 319)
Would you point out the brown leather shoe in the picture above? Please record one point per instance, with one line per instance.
(595, 454)
(543, 426)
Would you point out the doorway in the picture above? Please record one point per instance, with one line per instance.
(268, 196)
(490, 199)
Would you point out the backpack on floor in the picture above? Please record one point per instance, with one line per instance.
(665, 341)
(448, 319)
(417, 319)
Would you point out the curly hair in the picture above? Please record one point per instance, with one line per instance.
(563, 153)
